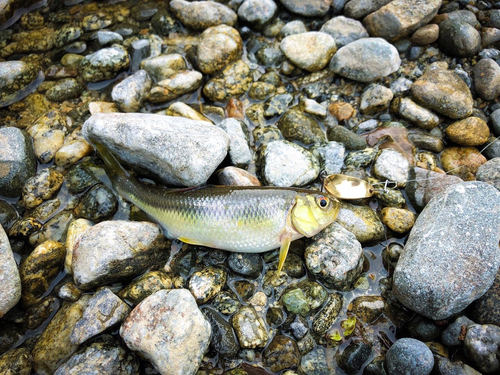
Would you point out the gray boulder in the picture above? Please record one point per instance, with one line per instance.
(10, 282)
(453, 242)
(177, 150)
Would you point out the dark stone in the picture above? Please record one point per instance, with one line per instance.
(458, 38)
(282, 353)
(486, 310)
(245, 264)
(224, 341)
(354, 356)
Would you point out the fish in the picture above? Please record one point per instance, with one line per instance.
(243, 219)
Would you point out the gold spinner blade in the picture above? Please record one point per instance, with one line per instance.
(347, 187)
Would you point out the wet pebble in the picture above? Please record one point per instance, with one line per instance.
(207, 283)
(237, 176)
(310, 51)
(131, 248)
(328, 314)
(203, 14)
(282, 353)
(454, 334)
(97, 204)
(391, 165)
(104, 64)
(145, 285)
(104, 311)
(448, 259)
(250, 328)
(344, 30)
(462, 161)
(330, 156)
(16, 361)
(18, 161)
(169, 330)
(335, 257)
(304, 297)
(239, 150)
(486, 309)
(226, 302)
(354, 356)
(458, 38)
(482, 345)
(471, 131)
(310, 9)
(361, 221)
(424, 141)
(233, 81)
(17, 80)
(416, 114)
(287, 164)
(426, 35)
(424, 329)
(10, 281)
(375, 98)
(105, 37)
(409, 356)
(295, 125)
(219, 46)
(164, 66)
(257, 12)
(368, 308)
(351, 140)
(245, 264)
(486, 75)
(398, 220)
(223, 339)
(48, 133)
(366, 60)
(130, 93)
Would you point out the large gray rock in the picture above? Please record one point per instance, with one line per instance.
(169, 330)
(361, 8)
(10, 282)
(482, 345)
(366, 60)
(409, 356)
(177, 150)
(114, 250)
(308, 8)
(257, 12)
(453, 242)
(17, 161)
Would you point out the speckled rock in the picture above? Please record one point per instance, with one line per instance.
(54, 345)
(375, 98)
(202, 14)
(463, 208)
(163, 66)
(398, 220)
(462, 161)
(354, 356)
(250, 328)
(432, 90)
(426, 35)
(39, 269)
(196, 148)
(471, 131)
(169, 330)
(400, 18)
(97, 204)
(368, 308)
(48, 133)
(293, 27)
(104, 310)
(130, 93)
(237, 176)
(486, 310)
(309, 9)
(361, 8)
(207, 283)
(17, 361)
(105, 355)
(65, 89)
(233, 81)
(105, 37)
(295, 125)
(287, 164)
(391, 165)
(219, 46)
(330, 156)
(257, 12)
(304, 297)
(453, 335)
(176, 85)
(239, 150)
(362, 221)
(17, 161)
(416, 114)
(409, 356)
(145, 285)
(327, 315)
(335, 257)
(18, 79)
(10, 282)
(281, 353)
(104, 64)
(131, 248)
(486, 75)
(458, 38)
(246, 264)
(223, 339)
(482, 345)
(423, 185)
(351, 140)
(41, 187)
(344, 30)
(310, 51)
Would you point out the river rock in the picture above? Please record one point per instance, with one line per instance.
(282, 353)
(409, 356)
(366, 60)
(354, 356)
(104, 64)
(400, 18)
(233, 81)
(104, 310)
(330, 156)
(48, 133)
(296, 125)
(179, 151)
(335, 257)
(426, 35)
(54, 345)
(286, 164)
(458, 38)
(17, 161)
(239, 150)
(202, 14)
(344, 30)
(310, 51)
(219, 46)
(257, 12)
(453, 335)
(362, 221)
(418, 115)
(375, 98)
(207, 283)
(438, 254)
(444, 92)
(131, 92)
(462, 161)
(391, 165)
(237, 176)
(145, 285)
(309, 9)
(486, 75)
(486, 310)
(65, 89)
(104, 355)
(176, 85)
(10, 282)
(169, 330)
(482, 345)
(130, 249)
(471, 131)
(16, 361)
(250, 328)
(18, 79)
(223, 339)
(163, 66)
(361, 8)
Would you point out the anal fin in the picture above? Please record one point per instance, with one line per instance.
(190, 242)
(285, 245)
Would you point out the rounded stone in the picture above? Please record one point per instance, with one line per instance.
(458, 38)
(250, 328)
(471, 131)
(351, 140)
(426, 35)
(282, 353)
(344, 30)
(368, 308)
(391, 165)
(233, 81)
(361, 221)
(482, 344)
(248, 265)
(10, 281)
(202, 14)
(366, 60)
(486, 75)
(16, 361)
(453, 335)
(295, 125)
(354, 356)
(130, 93)
(310, 51)
(310, 8)
(104, 64)
(207, 283)
(257, 12)
(65, 89)
(18, 79)
(409, 356)
(223, 339)
(486, 310)
(97, 204)
(328, 314)
(398, 220)
(462, 161)
(219, 46)
(375, 98)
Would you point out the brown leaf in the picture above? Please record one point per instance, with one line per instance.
(235, 108)
(254, 370)
(395, 138)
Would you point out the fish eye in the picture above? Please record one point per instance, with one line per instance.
(323, 202)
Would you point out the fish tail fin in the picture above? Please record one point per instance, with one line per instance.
(116, 173)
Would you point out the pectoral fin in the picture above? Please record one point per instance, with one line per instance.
(190, 242)
(285, 245)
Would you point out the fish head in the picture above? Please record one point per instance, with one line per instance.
(313, 212)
